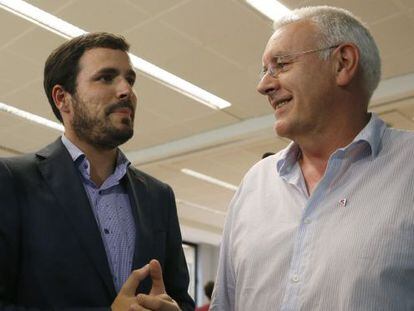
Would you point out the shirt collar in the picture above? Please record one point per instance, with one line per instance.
(73, 150)
(79, 157)
(371, 135)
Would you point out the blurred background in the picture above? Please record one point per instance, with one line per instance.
(216, 45)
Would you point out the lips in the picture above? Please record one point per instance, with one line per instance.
(280, 102)
(124, 107)
(123, 110)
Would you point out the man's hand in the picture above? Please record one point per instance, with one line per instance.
(157, 300)
(126, 296)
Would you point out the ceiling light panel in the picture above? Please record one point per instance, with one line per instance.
(209, 179)
(272, 9)
(67, 31)
(31, 117)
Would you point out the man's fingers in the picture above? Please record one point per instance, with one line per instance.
(162, 302)
(130, 286)
(136, 307)
(155, 272)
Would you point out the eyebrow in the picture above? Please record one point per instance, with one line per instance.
(281, 53)
(114, 71)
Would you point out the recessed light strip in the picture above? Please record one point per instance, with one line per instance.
(41, 18)
(67, 31)
(209, 179)
(31, 117)
(176, 83)
(270, 8)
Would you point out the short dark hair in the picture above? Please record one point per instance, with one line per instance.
(62, 65)
(208, 289)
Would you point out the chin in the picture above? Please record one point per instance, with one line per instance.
(280, 129)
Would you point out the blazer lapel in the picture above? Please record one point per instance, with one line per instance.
(143, 215)
(65, 183)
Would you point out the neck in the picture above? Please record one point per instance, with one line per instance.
(102, 161)
(321, 143)
(317, 148)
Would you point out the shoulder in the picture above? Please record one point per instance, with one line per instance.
(22, 162)
(264, 169)
(397, 140)
(257, 181)
(398, 134)
(27, 166)
(30, 159)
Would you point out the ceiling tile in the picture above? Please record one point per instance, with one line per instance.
(398, 120)
(15, 137)
(156, 7)
(28, 46)
(394, 35)
(196, 19)
(30, 98)
(209, 122)
(114, 16)
(158, 43)
(369, 11)
(190, 212)
(393, 66)
(12, 27)
(169, 103)
(408, 4)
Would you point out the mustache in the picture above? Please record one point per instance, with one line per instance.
(122, 104)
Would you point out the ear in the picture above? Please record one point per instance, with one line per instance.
(61, 99)
(347, 63)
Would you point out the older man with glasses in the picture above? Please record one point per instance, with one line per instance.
(328, 222)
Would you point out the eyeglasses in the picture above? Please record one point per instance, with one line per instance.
(280, 62)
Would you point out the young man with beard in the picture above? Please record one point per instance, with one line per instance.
(328, 222)
(79, 227)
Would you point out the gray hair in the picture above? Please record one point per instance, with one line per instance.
(338, 26)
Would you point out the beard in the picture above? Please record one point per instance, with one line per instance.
(99, 131)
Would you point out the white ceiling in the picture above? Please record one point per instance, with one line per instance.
(215, 44)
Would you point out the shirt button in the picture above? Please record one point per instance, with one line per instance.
(295, 278)
(307, 221)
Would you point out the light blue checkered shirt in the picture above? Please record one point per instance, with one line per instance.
(348, 246)
(112, 209)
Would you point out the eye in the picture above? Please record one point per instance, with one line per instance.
(282, 65)
(106, 78)
(131, 80)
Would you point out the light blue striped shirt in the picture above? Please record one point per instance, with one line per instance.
(112, 209)
(348, 246)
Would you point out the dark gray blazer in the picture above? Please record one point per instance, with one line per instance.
(51, 251)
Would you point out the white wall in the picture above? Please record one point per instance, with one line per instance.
(206, 269)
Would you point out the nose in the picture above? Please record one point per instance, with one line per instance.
(124, 89)
(268, 85)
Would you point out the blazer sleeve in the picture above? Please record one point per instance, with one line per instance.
(9, 237)
(11, 226)
(176, 276)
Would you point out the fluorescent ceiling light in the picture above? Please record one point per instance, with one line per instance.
(67, 31)
(31, 117)
(176, 83)
(270, 8)
(41, 18)
(209, 179)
